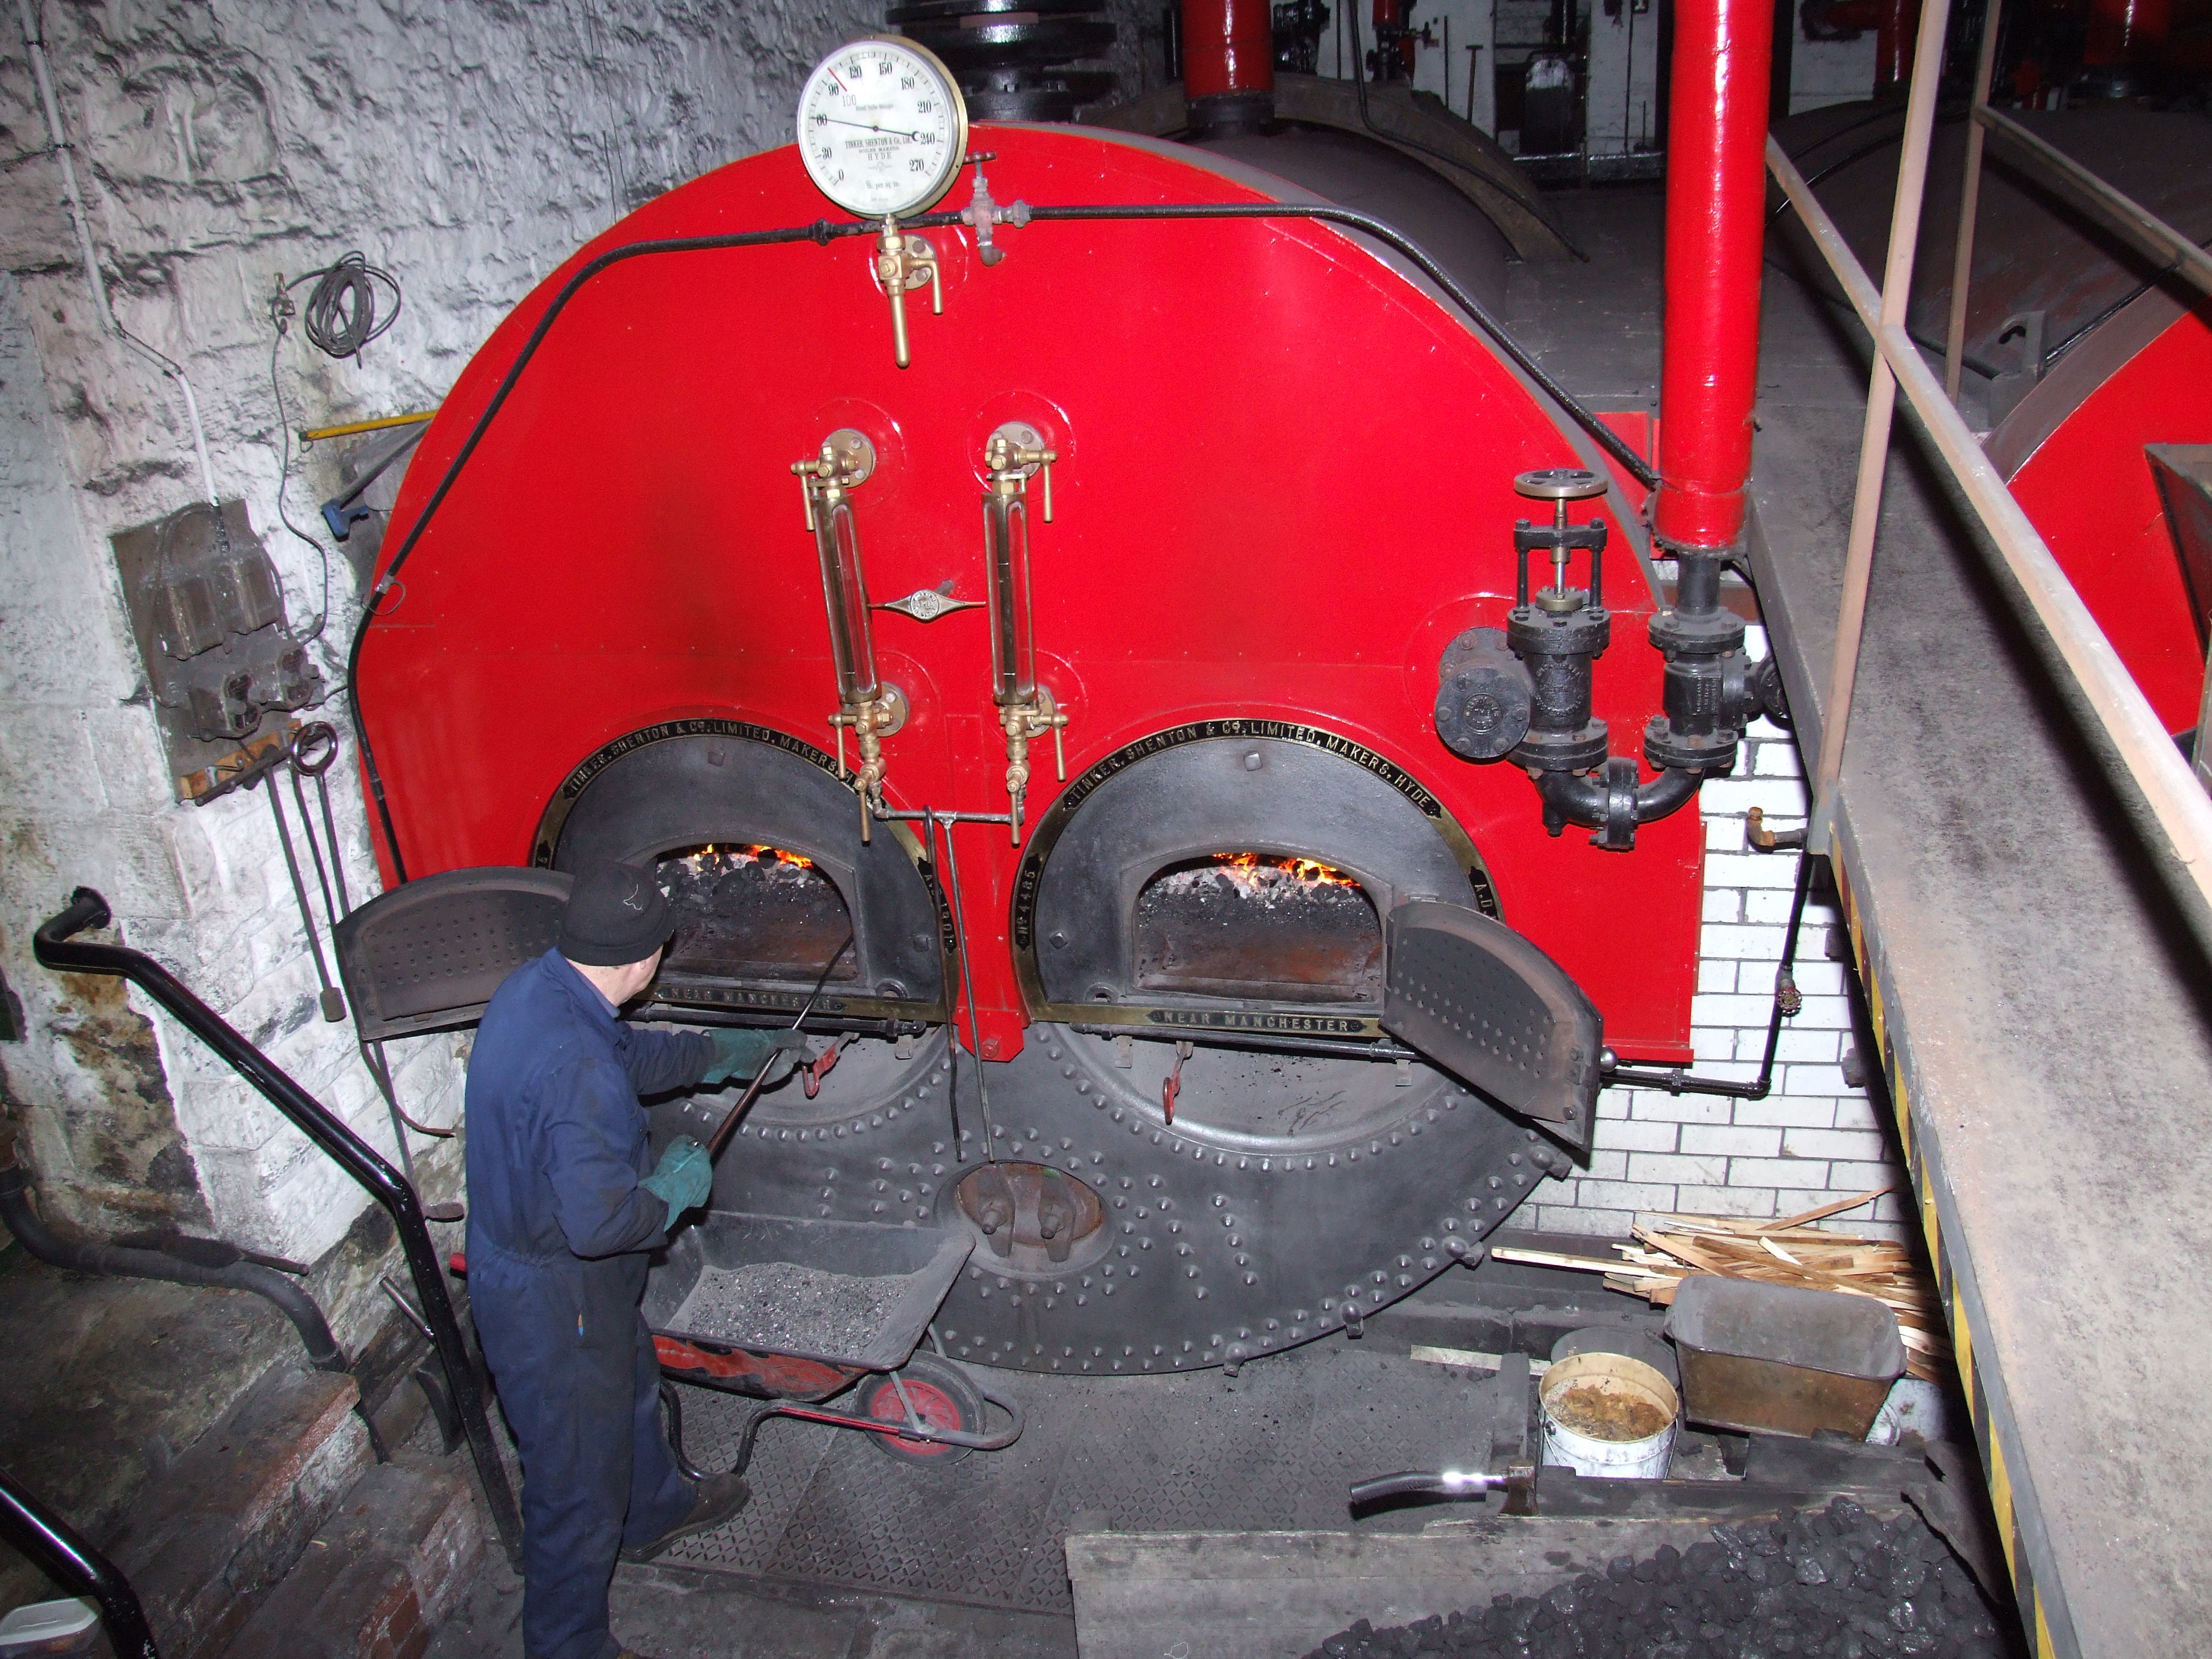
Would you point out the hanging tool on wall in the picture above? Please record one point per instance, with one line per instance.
(333, 1000)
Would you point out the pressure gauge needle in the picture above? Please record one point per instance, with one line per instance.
(870, 126)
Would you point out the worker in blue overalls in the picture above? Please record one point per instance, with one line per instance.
(565, 1202)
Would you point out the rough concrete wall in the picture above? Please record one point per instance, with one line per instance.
(468, 148)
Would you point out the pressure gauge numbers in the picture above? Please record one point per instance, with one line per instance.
(882, 128)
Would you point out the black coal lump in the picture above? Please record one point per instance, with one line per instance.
(1833, 1583)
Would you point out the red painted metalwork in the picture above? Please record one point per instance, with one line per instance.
(2085, 483)
(1893, 40)
(1228, 45)
(2127, 32)
(1716, 232)
(1296, 532)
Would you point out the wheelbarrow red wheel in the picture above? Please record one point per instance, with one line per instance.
(942, 1398)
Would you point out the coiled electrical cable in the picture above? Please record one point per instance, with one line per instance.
(340, 316)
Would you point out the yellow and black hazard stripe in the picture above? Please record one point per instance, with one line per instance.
(2035, 1613)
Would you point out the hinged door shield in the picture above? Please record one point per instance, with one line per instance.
(1488, 1006)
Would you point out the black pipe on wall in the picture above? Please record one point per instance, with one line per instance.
(124, 1262)
(56, 947)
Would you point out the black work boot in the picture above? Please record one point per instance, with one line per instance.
(714, 1501)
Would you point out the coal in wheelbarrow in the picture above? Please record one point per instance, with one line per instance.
(841, 1293)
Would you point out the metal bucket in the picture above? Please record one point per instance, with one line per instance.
(1636, 1389)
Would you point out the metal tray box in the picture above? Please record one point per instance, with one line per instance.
(1771, 1359)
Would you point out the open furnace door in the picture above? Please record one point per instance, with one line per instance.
(428, 956)
(1488, 1006)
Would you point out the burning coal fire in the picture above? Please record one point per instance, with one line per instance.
(748, 911)
(1258, 924)
(1255, 873)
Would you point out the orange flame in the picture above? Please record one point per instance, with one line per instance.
(750, 850)
(1248, 870)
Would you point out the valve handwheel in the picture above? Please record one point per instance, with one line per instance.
(1559, 484)
(942, 1398)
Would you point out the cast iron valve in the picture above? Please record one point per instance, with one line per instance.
(1526, 694)
(1562, 630)
(1712, 690)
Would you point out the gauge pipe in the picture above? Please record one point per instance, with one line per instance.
(1715, 210)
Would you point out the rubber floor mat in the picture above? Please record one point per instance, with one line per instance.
(1275, 1447)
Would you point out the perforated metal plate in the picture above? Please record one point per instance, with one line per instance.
(1488, 1006)
(1276, 1447)
(428, 954)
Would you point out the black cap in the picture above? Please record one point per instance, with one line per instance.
(617, 915)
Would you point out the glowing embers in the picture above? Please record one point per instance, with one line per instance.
(1252, 924)
(751, 913)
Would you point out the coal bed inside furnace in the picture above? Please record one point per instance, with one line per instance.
(781, 1306)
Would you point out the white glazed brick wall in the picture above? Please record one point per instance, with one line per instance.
(1814, 1137)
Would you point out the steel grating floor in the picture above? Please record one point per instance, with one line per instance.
(1275, 1447)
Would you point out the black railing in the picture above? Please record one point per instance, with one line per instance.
(54, 948)
(55, 1548)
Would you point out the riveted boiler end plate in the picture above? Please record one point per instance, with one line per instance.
(1487, 1006)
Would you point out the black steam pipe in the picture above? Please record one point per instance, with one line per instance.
(1588, 799)
(1618, 1073)
(52, 945)
(126, 1261)
(61, 1552)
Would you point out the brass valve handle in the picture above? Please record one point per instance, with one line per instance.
(903, 263)
(1011, 463)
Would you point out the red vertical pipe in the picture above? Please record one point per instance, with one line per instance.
(1716, 226)
(1228, 45)
(2127, 31)
(1893, 43)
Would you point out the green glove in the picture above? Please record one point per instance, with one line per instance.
(741, 1052)
(684, 1179)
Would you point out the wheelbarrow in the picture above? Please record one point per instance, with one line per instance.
(795, 1313)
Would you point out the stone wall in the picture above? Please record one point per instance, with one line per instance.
(468, 148)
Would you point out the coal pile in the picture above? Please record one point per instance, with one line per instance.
(1834, 1584)
(785, 1308)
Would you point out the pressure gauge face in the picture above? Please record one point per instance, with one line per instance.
(882, 127)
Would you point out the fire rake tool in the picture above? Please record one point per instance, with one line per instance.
(728, 1126)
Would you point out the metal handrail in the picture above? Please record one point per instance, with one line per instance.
(61, 1552)
(54, 947)
(2176, 801)
(2055, 167)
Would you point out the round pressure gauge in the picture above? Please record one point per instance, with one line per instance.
(882, 127)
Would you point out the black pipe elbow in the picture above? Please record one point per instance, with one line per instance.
(1613, 802)
(124, 1262)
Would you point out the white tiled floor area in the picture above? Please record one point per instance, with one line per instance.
(1814, 1137)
